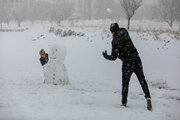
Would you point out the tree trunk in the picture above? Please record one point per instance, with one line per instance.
(1, 25)
(170, 23)
(8, 23)
(59, 22)
(32, 22)
(19, 23)
(89, 9)
(128, 23)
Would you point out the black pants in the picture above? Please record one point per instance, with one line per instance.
(130, 66)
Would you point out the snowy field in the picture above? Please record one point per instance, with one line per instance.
(95, 90)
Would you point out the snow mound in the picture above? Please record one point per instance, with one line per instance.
(65, 33)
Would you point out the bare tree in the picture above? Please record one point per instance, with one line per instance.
(169, 10)
(20, 14)
(130, 7)
(1, 16)
(87, 9)
(7, 18)
(61, 11)
(2, 12)
(5, 13)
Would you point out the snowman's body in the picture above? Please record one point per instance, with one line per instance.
(55, 70)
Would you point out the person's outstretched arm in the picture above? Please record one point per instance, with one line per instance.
(114, 52)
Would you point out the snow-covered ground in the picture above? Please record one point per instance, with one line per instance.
(95, 90)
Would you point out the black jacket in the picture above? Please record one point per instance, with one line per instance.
(122, 46)
(44, 60)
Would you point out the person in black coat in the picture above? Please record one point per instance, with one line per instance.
(124, 49)
(44, 57)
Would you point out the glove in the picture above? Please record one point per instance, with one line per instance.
(104, 53)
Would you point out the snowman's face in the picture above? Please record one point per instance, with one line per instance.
(58, 53)
(54, 52)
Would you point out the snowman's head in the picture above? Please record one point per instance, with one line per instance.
(57, 52)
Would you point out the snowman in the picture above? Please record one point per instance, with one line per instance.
(55, 70)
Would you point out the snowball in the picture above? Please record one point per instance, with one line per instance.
(109, 10)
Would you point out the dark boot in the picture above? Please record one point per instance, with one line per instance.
(124, 105)
(149, 104)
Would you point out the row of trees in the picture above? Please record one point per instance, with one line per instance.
(169, 10)
(39, 11)
(166, 10)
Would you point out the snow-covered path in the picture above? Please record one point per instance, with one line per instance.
(95, 90)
